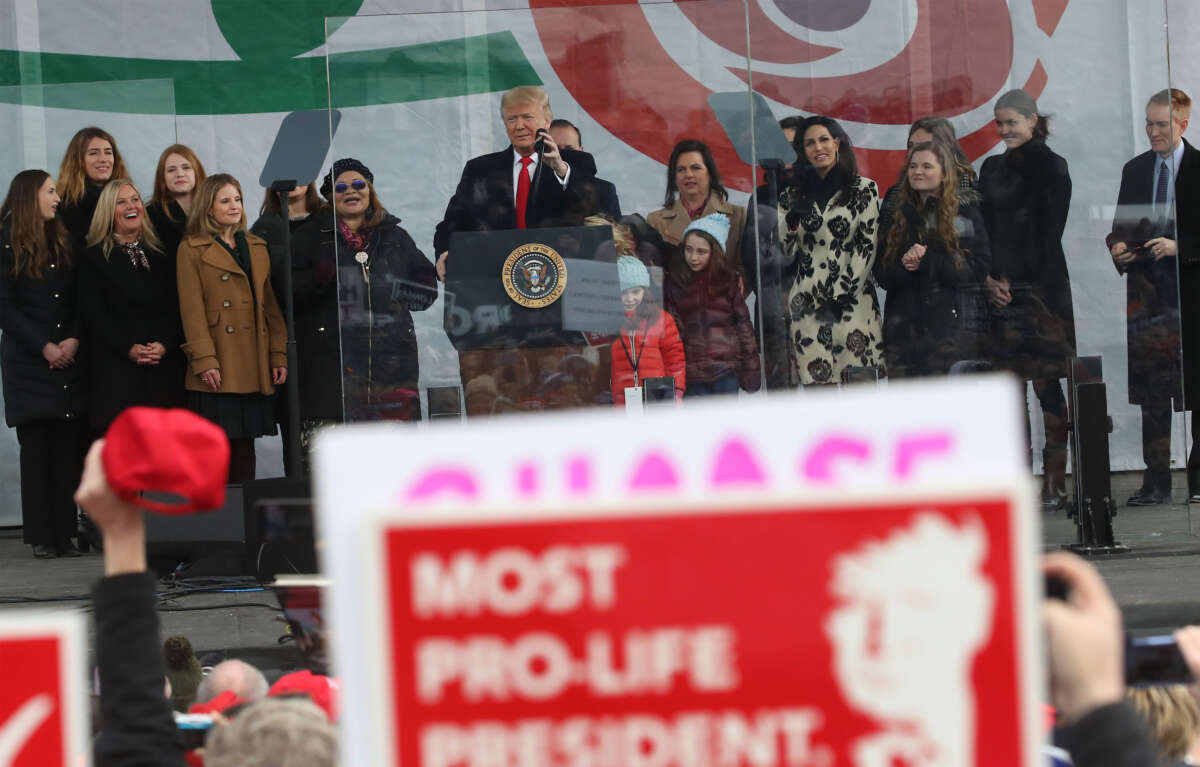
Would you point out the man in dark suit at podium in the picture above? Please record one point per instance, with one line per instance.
(505, 191)
(493, 193)
(1155, 245)
(603, 198)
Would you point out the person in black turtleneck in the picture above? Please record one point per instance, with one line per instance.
(302, 203)
(1026, 196)
(91, 161)
(827, 232)
(179, 171)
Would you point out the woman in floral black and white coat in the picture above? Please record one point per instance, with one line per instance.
(827, 224)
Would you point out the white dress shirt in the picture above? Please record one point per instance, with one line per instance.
(516, 169)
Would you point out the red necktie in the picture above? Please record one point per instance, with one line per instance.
(523, 191)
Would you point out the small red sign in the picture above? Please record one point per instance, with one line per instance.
(764, 635)
(34, 723)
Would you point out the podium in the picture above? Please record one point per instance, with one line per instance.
(529, 311)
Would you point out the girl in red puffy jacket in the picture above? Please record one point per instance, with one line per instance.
(648, 345)
(704, 294)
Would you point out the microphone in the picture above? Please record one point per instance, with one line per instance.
(540, 146)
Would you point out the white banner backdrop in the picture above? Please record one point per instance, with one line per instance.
(1101, 60)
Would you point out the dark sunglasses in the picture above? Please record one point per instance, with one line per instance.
(358, 185)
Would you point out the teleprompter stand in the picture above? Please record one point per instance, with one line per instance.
(758, 140)
(1090, 425)
(296, 155)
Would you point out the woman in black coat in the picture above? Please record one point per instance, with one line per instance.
(934, 260)
(357, 275)
(1026, 197)
(131, 309)
(91, 159)
(271, 225)
(45, 395)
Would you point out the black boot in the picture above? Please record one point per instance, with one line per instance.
(1054, 462)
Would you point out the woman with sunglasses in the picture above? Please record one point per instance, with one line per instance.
(356, 253)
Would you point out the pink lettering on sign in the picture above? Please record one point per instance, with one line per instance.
(819, 465)
(914, 448)
(527, 480)
(736, 464)
(654, 472)
(446, 480)
(579, 475)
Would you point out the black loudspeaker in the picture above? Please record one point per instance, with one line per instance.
(278, 520)
(204, 543)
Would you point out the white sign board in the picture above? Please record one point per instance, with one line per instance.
(953, 449)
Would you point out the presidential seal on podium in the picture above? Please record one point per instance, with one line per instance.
(534, 275)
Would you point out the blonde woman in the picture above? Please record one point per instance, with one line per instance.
(1173, 717)
(130, 309)
(235, 339)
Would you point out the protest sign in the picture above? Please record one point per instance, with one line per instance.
(745, 632)
(785, 582)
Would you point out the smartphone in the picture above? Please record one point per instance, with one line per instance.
(1154, 660)
(193, 729)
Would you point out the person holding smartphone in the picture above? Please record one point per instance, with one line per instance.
(532, 183)
(1153, 250)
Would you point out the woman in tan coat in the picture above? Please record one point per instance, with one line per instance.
(234, 331)
(694, 190)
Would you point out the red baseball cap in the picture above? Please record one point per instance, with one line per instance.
(218, 705)
(323, 690)
(167, 451)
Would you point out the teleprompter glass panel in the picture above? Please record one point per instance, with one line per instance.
(566, 312)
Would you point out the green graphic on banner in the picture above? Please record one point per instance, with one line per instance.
(269, 77)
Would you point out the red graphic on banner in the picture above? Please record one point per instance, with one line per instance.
(882, 634)
(958, 58)
(32, 713)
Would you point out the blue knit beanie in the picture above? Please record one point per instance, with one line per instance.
(715, 224)
(632, 273)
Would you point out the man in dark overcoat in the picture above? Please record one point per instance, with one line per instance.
(1155, 246)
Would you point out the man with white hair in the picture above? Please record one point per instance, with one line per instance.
(245, 681)
(274, 733)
